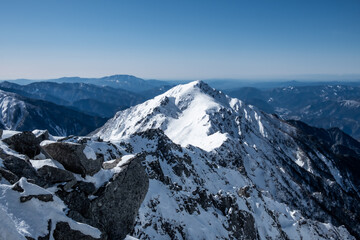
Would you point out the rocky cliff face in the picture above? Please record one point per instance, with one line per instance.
(67, 188)
(220, 169)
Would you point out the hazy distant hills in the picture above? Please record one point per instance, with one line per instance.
(135, 84)
(92, 99)
(125, 82)
(323, 106)
(96, 96)
(228, 84)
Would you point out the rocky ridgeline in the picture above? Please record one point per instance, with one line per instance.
(221, 169)
(65, 185)
(191, 188)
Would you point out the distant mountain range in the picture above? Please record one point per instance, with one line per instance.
(125, 82)
(95, 100)
(321, 104)
(138, 85)
(228, 85)
(324, 106)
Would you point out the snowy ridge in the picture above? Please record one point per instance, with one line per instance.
(199, 199)
(13, 110)
(25, 114)
(221, 169)
(188, 114)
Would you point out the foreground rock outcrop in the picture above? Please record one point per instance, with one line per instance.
(73, 158)
(59, 189)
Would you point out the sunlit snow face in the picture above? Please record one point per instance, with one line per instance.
(193, 125)
(183, 113)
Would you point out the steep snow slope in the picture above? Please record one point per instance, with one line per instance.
(221, 169)
(184, 113)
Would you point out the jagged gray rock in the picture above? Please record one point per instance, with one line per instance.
(114, 209)
(55, 175)
(111, 208)
(41, 197)
(42, 135)
(25, 143)
(72, 157)
(64, 232)
(22, 168)
(125, 194)
(86, 187)
(9, 176)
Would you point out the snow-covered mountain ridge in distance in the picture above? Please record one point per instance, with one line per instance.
(220, 169)
(324, 106)
(21, 113)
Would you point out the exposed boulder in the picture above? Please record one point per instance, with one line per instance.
(73, 158)
(242, 225)
(41, 197)
(64, 232)
(78, 204)
(17, 188)
(125, 194)
(55, 175)
(42, 135)
(9, 176)
(25, 143)
(85, 187)
(245, 191)
(22, 168)
(114, 209)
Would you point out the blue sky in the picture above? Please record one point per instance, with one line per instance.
(179, 39)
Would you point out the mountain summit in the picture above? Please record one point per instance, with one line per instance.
(221, 169)
(193, 113)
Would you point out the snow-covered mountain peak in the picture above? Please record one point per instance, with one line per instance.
(185, 93)
(192, 113)
(244, 166)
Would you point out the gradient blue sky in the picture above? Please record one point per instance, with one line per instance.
(178, 39)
